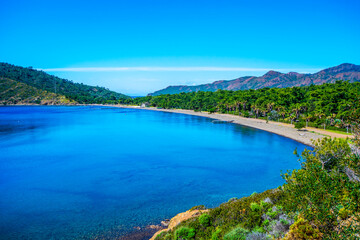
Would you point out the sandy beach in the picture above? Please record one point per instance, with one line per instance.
(286, 130)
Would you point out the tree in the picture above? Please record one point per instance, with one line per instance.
(320, 189)
(299, 125)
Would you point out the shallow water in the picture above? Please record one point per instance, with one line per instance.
(78, 172)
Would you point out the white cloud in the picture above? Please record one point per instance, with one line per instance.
(168, 69)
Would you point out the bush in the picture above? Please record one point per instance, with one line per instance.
(204, 220)
(259, 229)
(185, 233)
(217, 234)
(237, 233)
(255, 207)
(344, 213)
(266, 222)
(272, 214)
(299, 125)
(301, 229)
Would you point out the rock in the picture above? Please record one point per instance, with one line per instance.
(165, 223)
(351, 175)
(274, 209)
(157, 227)
(268, 200)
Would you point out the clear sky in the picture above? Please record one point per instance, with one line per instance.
(136, 47)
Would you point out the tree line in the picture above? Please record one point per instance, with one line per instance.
(330, 105)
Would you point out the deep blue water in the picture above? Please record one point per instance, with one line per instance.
(77, 172)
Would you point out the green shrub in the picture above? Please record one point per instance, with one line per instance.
(237, 233)
(259, 229)
(255, 207)
(344, 213)
(264, 205)
(185, 233)
(284, 222)
(301, 229)
(299, 125)
(266, 222)
(272, 214)
(204, 220)
(217, 234)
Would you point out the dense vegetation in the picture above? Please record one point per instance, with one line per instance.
(13, 92)
(328, 105)
(78, 92)
(319, 201)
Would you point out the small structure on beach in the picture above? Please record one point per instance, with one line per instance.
(145, 104)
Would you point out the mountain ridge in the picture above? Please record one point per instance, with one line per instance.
(345, 71)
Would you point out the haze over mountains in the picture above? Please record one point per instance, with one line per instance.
(272, 79)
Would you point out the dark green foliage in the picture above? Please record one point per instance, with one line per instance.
(334, 105)
(299, 125)
(204, 220)
(13, 92)
(78, 92)
(320, 190)
(185, 233)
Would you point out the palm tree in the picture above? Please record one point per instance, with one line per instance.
(256, 109)
(308, 118)
(297, 109)
(270, 106)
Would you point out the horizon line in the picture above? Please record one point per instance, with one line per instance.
(173, 69)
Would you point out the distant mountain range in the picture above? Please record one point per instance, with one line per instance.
(273, 79)
(19, 85)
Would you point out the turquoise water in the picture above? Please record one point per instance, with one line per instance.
(78, 172)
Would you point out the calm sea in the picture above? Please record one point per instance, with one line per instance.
(80, 172)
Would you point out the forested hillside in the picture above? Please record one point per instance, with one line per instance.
(78, 92)
(14, 92)
(328, 105)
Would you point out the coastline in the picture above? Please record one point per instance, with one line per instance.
(285, 130)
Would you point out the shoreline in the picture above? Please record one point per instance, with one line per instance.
(302, 136)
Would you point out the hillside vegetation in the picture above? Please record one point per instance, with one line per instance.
(318, 201)
(78, 92)
(330, 106)
(14, 92)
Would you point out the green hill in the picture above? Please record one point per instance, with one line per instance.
(40, 80)
(14, 92)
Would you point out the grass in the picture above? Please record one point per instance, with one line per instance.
(340, 132)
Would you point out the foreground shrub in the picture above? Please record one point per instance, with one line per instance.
(321, 185)
(237, 233)
(185, 233)
(301, 229)
(217, 234)
(204, 220)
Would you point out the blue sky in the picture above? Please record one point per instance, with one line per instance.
(136, 47)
